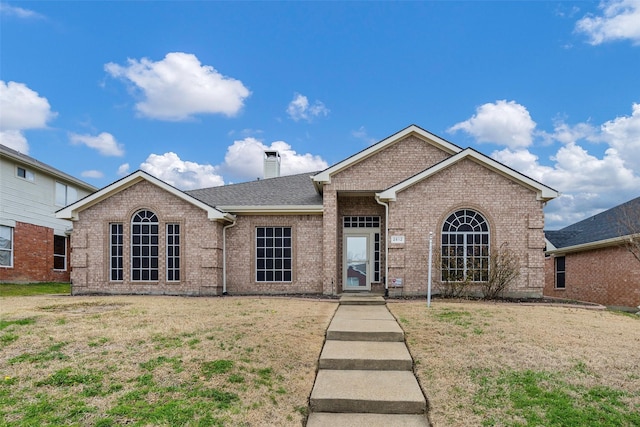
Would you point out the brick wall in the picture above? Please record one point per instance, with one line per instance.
(608, 276)
(378, 172)
(512, 211)
(201, 245)
(514, 214)
(306, 247)
(33, 256)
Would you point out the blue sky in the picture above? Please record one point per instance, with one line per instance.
(193, 92)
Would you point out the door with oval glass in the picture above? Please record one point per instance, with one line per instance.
(357, 268)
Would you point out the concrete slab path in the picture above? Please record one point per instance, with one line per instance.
(365, 375)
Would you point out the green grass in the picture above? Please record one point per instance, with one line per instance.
(457, 317)
(538, 398)
(17, 290)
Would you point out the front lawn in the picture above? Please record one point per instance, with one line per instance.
(166, 361)
(14, 290)
(497, 364)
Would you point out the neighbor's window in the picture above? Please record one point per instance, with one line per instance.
(25, 174)
(6, 246)
(465, 247)
(173, 252)
(273, 254)
(144, 246)
(59, 253)
(560, 272)
(116, 251)
(65, 195)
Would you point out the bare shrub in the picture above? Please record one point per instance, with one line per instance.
(504, 268)
(629, 227)
(449, 285)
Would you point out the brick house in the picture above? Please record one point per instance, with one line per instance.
(308, 233)
(34, 244)
(589, 260)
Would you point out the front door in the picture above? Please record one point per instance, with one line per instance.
(357, 272)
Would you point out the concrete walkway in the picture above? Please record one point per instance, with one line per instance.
(365, 375)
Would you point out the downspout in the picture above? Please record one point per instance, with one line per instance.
(386, 245)
(224, 255)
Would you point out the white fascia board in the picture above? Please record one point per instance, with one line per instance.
(324, 177)
(274, 210)
(71, 211)
(544, 193)
(614, 241)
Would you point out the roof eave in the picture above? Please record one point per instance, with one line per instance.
(614, 241)
(71, 212)
(275, 209)
(543, 193)
(50, 170)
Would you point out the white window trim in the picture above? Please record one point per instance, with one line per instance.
(10, 250)
(58, 255)
(256, 248)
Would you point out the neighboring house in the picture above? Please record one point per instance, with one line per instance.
(34, 244)
(300, 234)
(589, 260)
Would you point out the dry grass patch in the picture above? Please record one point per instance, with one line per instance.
(158, 360)
(509, 365)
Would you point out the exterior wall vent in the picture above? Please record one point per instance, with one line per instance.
(271, 164)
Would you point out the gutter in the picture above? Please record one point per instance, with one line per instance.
(386, 244)
(224, 255)
(615, 241)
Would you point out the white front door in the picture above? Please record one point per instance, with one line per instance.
(357, 266)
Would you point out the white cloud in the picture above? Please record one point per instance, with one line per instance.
(623, 134)
(105, 143)
(123, 169)
(587, 184)
(92, 174)
(19, 12)
(300, 109)
(22, 109)
(244, 159)
(14, 139)
(504, 123)
(362, 134)
(182, 174)
(179, 86)
(620, 20)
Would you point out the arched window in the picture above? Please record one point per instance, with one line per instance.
(465, 247)
(144, 246)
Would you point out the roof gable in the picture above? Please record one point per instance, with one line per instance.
(544, 193)
(71, 211)
(324, 177)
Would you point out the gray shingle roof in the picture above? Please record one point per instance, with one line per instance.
(292, 190)
(605, 225)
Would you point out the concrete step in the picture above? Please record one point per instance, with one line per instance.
(345, 329)
(365, 355)
(325, 419)
(361, 299)
(359, 391)
(364, 312)
(364, 323)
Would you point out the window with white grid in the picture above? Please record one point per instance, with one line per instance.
(465, 247)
